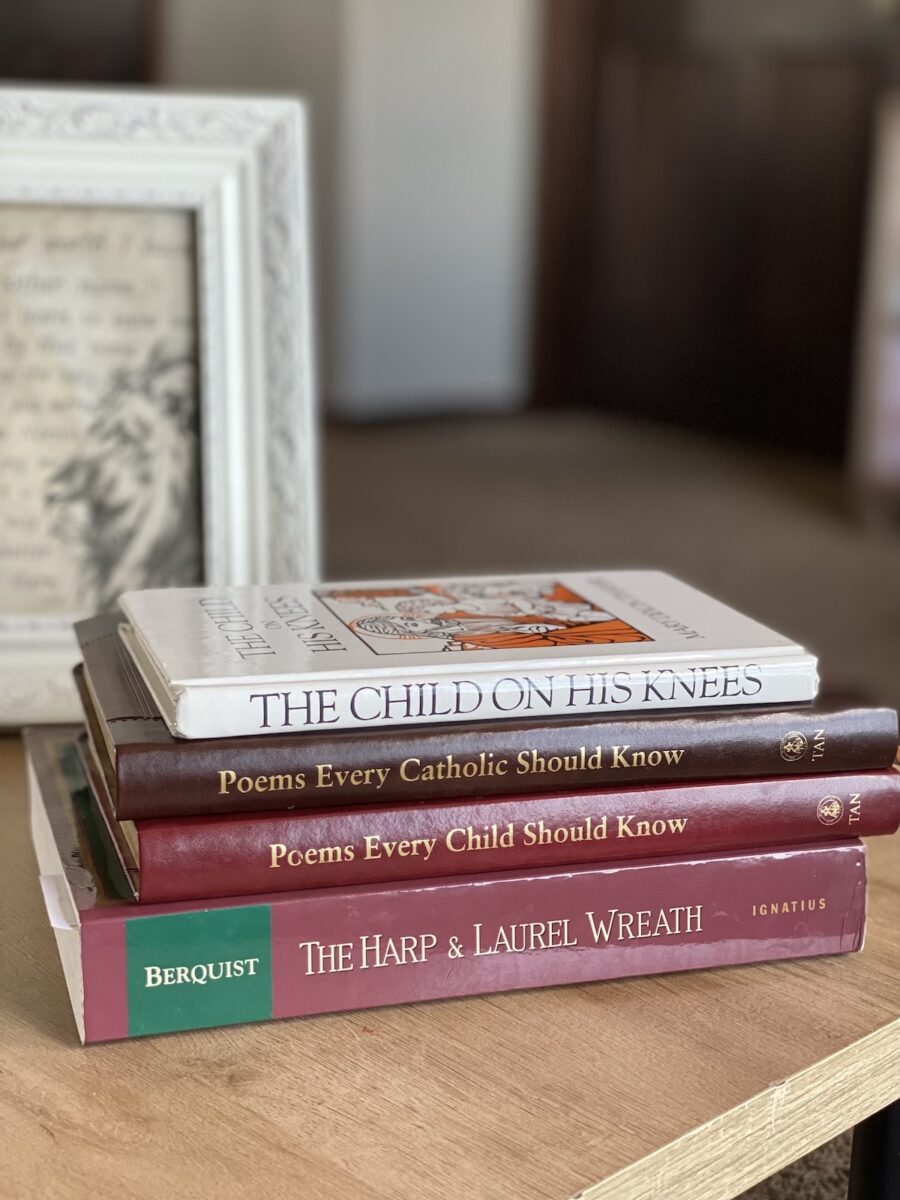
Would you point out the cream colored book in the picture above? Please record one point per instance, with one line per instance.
(225, 662)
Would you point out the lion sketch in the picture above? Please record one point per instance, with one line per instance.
(127, 498)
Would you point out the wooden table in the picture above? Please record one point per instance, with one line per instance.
(687, 1086)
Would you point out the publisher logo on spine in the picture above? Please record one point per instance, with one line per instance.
(793, 746)
(830, 810)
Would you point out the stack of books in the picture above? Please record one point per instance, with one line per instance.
(291, 800)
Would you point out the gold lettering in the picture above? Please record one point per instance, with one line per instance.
(784, 907)
(229, 780)
(310, 857)
(646, 758)
(409, 770)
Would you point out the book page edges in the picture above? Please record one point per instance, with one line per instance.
(155, 683)
(58, 900)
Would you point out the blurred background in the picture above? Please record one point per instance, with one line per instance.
(599, 283)
(595, 280)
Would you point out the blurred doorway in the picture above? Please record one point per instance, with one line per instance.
(103, 41)
(703, 204)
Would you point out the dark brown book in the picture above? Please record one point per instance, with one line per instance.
(149, 773)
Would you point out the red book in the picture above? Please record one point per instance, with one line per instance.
(186, 858)
(141, 969)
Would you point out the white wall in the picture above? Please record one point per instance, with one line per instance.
(290, 46)
(424, 155)
(435, 204)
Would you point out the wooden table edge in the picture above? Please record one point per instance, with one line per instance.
(741, 1147)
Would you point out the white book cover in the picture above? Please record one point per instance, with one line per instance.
(224, 662)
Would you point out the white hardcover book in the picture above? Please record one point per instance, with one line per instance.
(225, 662)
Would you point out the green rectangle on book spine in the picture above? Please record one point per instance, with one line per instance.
(193, 970)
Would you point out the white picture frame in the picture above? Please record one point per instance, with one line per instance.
(238, 164)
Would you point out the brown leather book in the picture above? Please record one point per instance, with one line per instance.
(150, 773)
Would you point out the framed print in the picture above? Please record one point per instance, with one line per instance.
(876, 423)
(157, 416)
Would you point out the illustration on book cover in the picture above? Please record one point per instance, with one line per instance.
(492, 614)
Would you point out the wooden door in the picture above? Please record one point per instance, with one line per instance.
(702, 212)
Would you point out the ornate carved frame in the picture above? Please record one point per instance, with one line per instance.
(239, 164)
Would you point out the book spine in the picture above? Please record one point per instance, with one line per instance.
(181, 778)
(201, 857)
(186, 967)
(238, 710)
